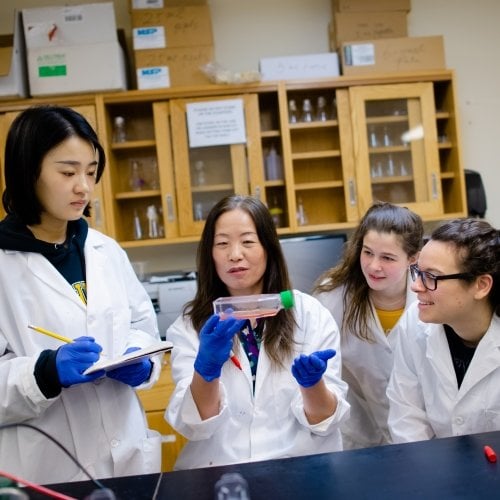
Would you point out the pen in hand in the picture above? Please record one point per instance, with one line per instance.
(54, 335)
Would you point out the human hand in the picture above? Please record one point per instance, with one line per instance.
(216, 340)
(134, 374)
(308, 370)
(74, 358)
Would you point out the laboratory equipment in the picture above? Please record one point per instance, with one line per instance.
(119, 130)
(274, 165)
(253, 306)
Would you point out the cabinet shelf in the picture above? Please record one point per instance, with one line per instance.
(387, 119)
(442, 115)
(316, 154)
(270, 133)
(144, 143)
(393, 180)
(389, 149)
(313, 124)
(129, 195)
(318, 185)
(276, 183)
(212, 188)
(448, 175)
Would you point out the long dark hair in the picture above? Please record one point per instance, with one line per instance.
(384, 218)
(35, 132)
(278, 331)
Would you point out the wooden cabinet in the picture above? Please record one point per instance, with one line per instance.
(395, 149)
(206, 173)
(155, 401)
(392, 138)
(318, 159)
(139, 184)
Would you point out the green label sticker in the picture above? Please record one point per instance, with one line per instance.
(48, 71)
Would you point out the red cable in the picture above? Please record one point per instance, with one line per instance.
(36, 487)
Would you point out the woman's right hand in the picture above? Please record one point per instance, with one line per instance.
(74, 358)
(216, 341)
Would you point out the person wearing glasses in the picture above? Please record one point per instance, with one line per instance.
(446, 375)
(367, 292)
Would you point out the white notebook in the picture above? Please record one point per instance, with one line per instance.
(127, 359)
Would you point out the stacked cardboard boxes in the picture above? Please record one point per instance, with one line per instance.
(372, 37)
(171, 43)
(73, 49)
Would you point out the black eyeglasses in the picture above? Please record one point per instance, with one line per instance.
(430, 280)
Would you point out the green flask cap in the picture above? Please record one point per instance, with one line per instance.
(287, 299)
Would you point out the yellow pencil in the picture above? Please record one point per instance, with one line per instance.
(39, 329)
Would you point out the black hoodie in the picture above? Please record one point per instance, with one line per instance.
(67, 258)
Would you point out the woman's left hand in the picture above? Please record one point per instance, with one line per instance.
(134, 374)
(308, 369)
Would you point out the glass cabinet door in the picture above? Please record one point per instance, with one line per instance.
(314, 148)
(204, 174)
(136, 178)
(395, 146)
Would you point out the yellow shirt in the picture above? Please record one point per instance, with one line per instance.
(388, 319)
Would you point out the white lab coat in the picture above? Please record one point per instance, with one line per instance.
(425, 401)
(269, 424)
(366, 367)
(101, 423)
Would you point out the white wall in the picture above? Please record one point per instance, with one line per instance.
(246, 30)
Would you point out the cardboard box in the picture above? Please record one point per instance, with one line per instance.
(73, 49)
(13, 74)
(370, 5)
(160, 4)
(353, 26)
(393, 54)
(302, 66)
(178, 66)
(172, 27)
(76, 69)
(92, 23)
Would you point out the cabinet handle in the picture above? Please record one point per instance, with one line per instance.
(170, 208)
(257, 192)
(434, 187)
(352, 192)
(97, 212)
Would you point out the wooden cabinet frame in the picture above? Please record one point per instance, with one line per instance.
(325, 165)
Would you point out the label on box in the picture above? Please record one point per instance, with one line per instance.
(153, 78)
(151, 37)
(73, 14)
(302, 66)
(50, 65)
(147, 4)
(362, 54)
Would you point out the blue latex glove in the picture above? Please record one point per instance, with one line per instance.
(216, 341)
(74, 358)
(308, 370)
(134, 374)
